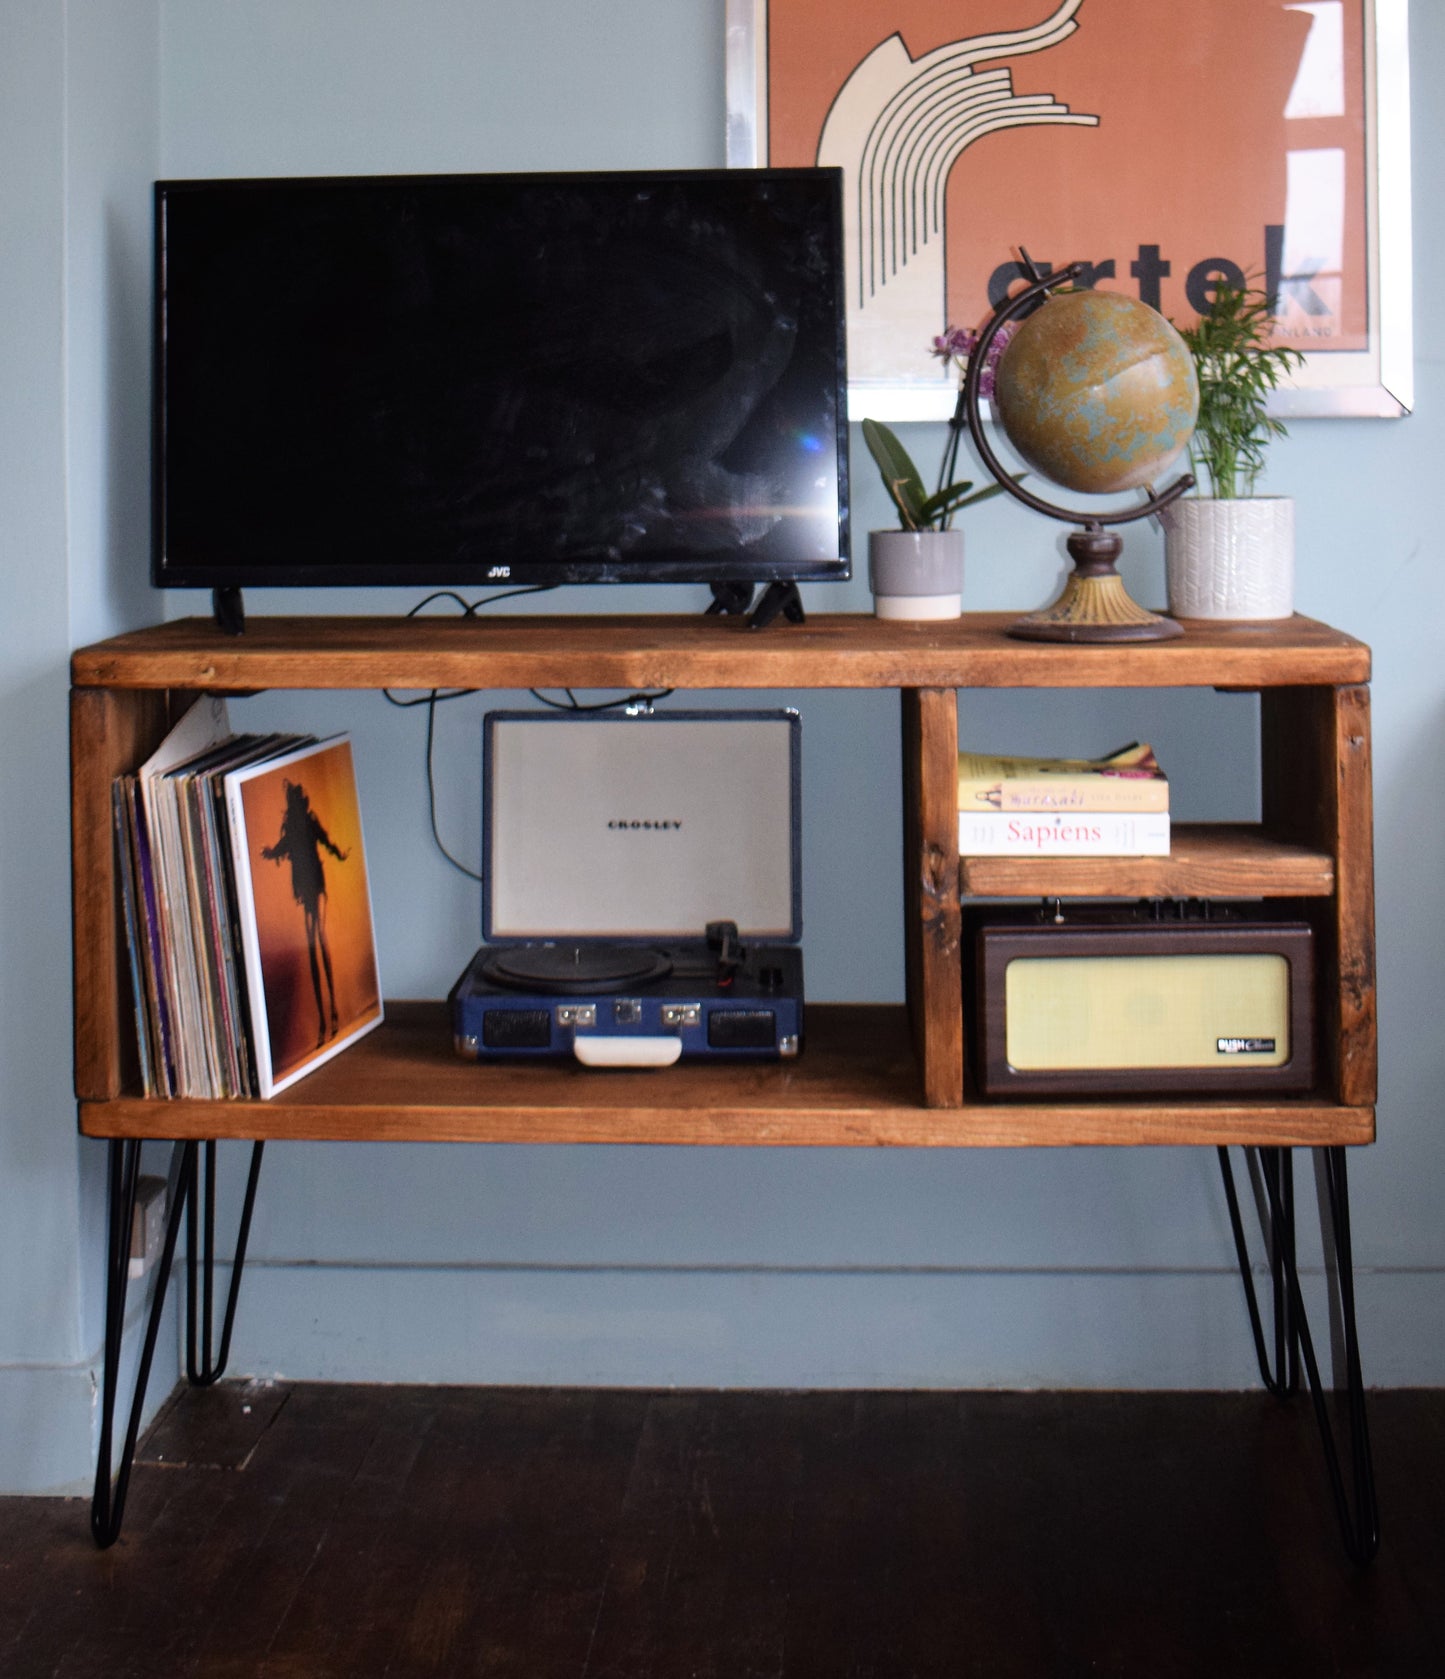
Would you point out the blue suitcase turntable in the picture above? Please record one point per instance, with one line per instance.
(641, 898)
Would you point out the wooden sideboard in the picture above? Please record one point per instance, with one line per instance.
(869, 1075)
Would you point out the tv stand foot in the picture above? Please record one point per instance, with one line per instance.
(776, 598)
(229, 611)
(732, 599)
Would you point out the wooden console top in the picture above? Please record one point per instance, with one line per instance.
(828, 651)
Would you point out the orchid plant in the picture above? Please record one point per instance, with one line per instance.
(917, 509)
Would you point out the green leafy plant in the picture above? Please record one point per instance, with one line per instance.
(1237, 368)
(917, 509)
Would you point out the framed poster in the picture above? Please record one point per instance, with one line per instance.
(1170, 147)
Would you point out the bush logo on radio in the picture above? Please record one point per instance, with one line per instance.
(1245, 1046)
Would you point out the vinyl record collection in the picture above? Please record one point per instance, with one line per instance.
(247, 907)
(178, 891)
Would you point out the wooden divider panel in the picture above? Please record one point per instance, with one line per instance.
(931, 902)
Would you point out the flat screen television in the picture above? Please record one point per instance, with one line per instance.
(514, 379)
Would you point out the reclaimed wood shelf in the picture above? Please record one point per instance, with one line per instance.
(855, 1084)
(870, 1076)
(835, 651)
(1206, 860)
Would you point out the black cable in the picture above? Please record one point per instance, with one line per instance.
(437, 696)
(431, 794)
(470, 609)
(574, 704)
(431, 700)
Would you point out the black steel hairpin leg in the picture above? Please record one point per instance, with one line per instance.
(203, 1369)
(1276, 1166)
(111, 1481)
(108, 1504)
(1359, 1519)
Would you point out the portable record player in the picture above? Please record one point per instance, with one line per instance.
(641, 896)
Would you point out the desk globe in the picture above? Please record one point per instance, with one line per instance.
(1097, 393)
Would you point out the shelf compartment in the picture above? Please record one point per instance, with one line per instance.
(855, 1085)
(1206, 860)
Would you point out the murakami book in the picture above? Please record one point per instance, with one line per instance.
(1129, 779)
(304, 904)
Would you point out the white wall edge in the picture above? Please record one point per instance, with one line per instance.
(50, 1412)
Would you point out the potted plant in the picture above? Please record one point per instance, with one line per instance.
(916, 571)
(1229, 553)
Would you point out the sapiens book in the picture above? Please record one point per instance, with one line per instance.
(1129, 779)
(1107, 833)
(304, 908)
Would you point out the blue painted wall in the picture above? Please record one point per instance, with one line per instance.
(79, 135)
(790, 1267)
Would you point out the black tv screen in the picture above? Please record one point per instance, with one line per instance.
(482, 379)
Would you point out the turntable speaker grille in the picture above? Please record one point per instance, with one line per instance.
(517, 1028)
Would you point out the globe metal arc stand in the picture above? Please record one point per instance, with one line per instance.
(1094, 605)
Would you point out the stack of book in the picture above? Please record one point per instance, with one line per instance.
(218, 957)
(1115, 806)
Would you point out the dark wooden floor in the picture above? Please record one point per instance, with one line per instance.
(310, 1531)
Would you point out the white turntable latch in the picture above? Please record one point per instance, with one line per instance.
(626, 1051)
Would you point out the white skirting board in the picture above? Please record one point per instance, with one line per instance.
(735, 1328)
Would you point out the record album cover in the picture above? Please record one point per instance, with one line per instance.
(305, 908)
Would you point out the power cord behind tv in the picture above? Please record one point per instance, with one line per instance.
(437, 696)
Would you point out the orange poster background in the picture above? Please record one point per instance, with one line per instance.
(328, 779)
(1188, 156)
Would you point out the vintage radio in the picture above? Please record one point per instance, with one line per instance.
(1097, 1002)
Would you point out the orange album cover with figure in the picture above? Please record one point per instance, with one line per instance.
(305, 908)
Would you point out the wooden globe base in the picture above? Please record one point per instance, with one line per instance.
(1094, 604)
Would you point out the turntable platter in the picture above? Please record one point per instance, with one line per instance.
(575, 969)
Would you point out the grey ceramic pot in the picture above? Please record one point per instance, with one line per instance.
(916, 574)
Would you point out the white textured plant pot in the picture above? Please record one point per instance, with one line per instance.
(1230, 559)
(916, 574)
